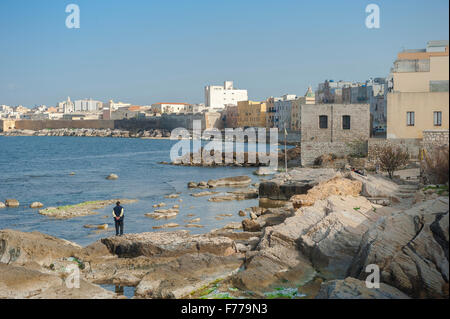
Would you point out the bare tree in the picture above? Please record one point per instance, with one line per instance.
(435, 165)
(391, 158)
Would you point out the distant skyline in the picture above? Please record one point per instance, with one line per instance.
(143, 52)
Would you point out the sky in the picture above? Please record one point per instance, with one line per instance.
(146, 51)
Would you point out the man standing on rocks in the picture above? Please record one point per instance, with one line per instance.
(118, 218)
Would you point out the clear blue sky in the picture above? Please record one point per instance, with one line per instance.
(145, 51)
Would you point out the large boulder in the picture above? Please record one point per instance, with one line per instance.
(186, 274)
(375, 186)
(168, 244)
(335, 186)
(21, 248)
(411, 249)
(230, 181)
(351, 288)
(296, 181)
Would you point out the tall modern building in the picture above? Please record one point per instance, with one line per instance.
(217, 97)
(87, 105)
(418, 97)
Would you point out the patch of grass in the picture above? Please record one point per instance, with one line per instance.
(283, 293)
(440, 189)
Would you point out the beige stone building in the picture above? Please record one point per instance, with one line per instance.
(334, 122)
(7, 125)
(418, 97)
(308, 99)
(252, 114)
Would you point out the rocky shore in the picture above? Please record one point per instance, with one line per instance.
(244, 159)
(318, 245)
(153, 133)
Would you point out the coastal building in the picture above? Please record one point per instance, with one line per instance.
(334, 122)
(87, 105)
(251, 114)
(308, 99)
(196, 108)
(283, 111)
(230, 116)
(271, 112)
(170, 108)
(418, 99)
(7, 125)
(217, 96)
(113, 106)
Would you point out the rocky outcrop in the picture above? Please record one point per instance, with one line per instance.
(411, 249)
(85, 132)
(297, 181)
(234, 181)
(23, 248)
(335, 186)
(186, 274)
(12, 203)
(351, 288)
(168, 244)
(330, 231)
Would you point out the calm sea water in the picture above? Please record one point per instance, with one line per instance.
(38, 168)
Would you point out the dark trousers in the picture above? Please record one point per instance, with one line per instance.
(119, 226)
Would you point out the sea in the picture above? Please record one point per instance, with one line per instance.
(38, 168)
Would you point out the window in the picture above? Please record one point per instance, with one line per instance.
(410, 121)
(437, 118)
(346, 122)
(323, 121)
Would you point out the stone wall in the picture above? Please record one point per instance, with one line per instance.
(312, 150)
(412, 145)
(432, 138)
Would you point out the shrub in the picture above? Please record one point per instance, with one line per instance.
(435, 165)
(391, 158)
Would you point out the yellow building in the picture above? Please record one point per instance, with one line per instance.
(252, 114)
(418, 99)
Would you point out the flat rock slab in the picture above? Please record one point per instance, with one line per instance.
(82, 209)
(184, 275)
(168, 244)
(20, 282)
(230, 181)
(351, 288)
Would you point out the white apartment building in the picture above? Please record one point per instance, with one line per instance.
(217, 97)
(87, 105)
